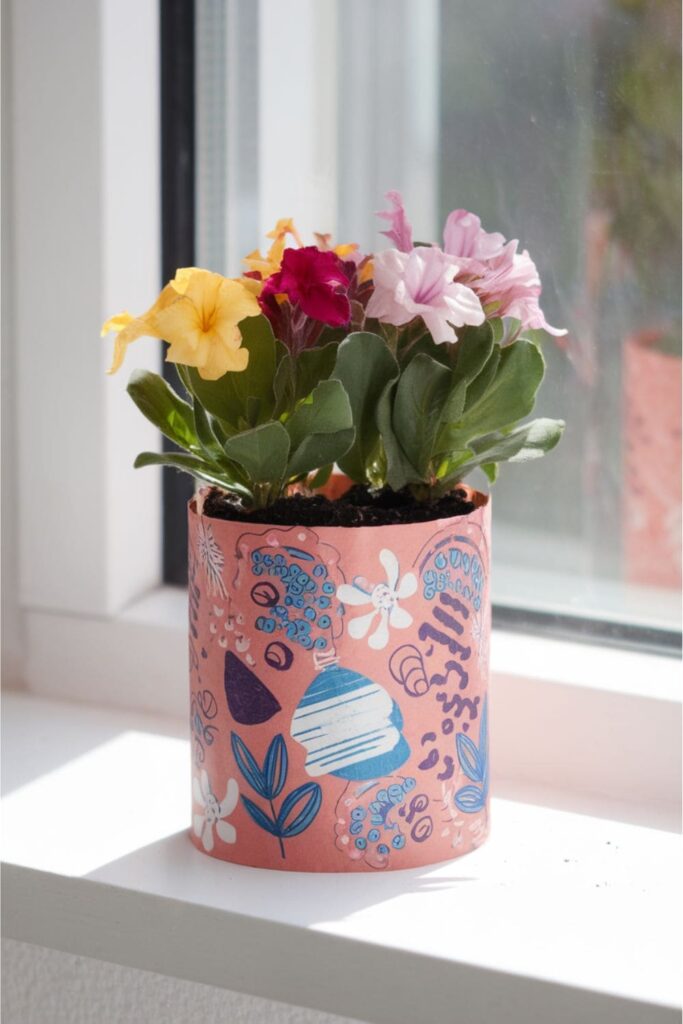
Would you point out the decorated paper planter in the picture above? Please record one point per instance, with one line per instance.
(339, 692)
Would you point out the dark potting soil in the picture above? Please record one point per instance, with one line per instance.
(358, 507)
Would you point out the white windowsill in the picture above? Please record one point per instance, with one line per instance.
(561, 916)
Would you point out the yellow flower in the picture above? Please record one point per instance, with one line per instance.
(197, 314)
(269, 264)
(324, 242)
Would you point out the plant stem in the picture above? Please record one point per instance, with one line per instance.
(262, 495)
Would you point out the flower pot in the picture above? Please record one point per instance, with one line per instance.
(339, 692)
(652, 463)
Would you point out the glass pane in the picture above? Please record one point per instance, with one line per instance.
(559, 125)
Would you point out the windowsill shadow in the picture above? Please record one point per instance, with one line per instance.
(174, 868)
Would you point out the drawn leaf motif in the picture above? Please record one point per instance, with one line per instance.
(469, 799)
(301, 806)
(275, 767)
(260, 817)
(469, 757)
(484, 741)
(248, 765)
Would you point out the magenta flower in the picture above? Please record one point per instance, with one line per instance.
(506, 281)
(421, 283)
(314, 281)
(400, 232)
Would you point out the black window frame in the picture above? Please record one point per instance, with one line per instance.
(177, 116)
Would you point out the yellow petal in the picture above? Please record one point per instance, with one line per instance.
(179, 324)
(130, 328)
(345, 250)
(115, 323)
(237, 300)
(252, 285)
(367, 272)
(285, 226)
(182, 278)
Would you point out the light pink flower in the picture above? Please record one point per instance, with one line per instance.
(464, 237)
(510, 281)
(421, 283)
(400, 232)
(503, 279)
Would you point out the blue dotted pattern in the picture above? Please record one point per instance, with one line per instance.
(302, 596)
(368, 825)
(440, 578)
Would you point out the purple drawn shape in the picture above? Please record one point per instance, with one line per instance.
(278, 656)
(249, 701)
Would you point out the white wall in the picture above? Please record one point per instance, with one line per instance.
(41, 986)
(11, 642)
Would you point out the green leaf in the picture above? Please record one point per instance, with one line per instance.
(320, 429)
(204, 429)
(364, 366)
(321, 477)
(297, 377)
(313, 366)
(263, 452)
(422, 391)
(191, 464)
(399, 471)
(478, 387)
(530, 441)
(498, 328)
(511, 394)
(491, 469)
(228, 397)
(473, 350)
(164, 408)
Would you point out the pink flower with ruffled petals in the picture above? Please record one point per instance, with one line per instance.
(421, 283)
(314, 281)
(464, 237)
(400, 232)
(506, 281)
(511, 285)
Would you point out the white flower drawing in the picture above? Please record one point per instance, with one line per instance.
(383, 598)
(211, 559)
(213, 812)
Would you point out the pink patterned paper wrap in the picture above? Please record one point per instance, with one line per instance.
(339, 692)
(652, 470)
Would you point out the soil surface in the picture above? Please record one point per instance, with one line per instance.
(358, 507)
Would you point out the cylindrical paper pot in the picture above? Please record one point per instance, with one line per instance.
(339, 692)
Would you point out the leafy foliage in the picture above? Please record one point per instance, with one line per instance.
(438, 422)
(392, 409)
(256, 431)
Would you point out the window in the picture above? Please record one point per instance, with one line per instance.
(557, 124)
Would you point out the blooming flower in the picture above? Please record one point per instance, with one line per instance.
(464, 237)
(315, 281)
(511, 286)
(505, 280)
(400, 232)
(197, 313)
(265, 266)
(421, 283)
(383, 598)
(213, 812)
